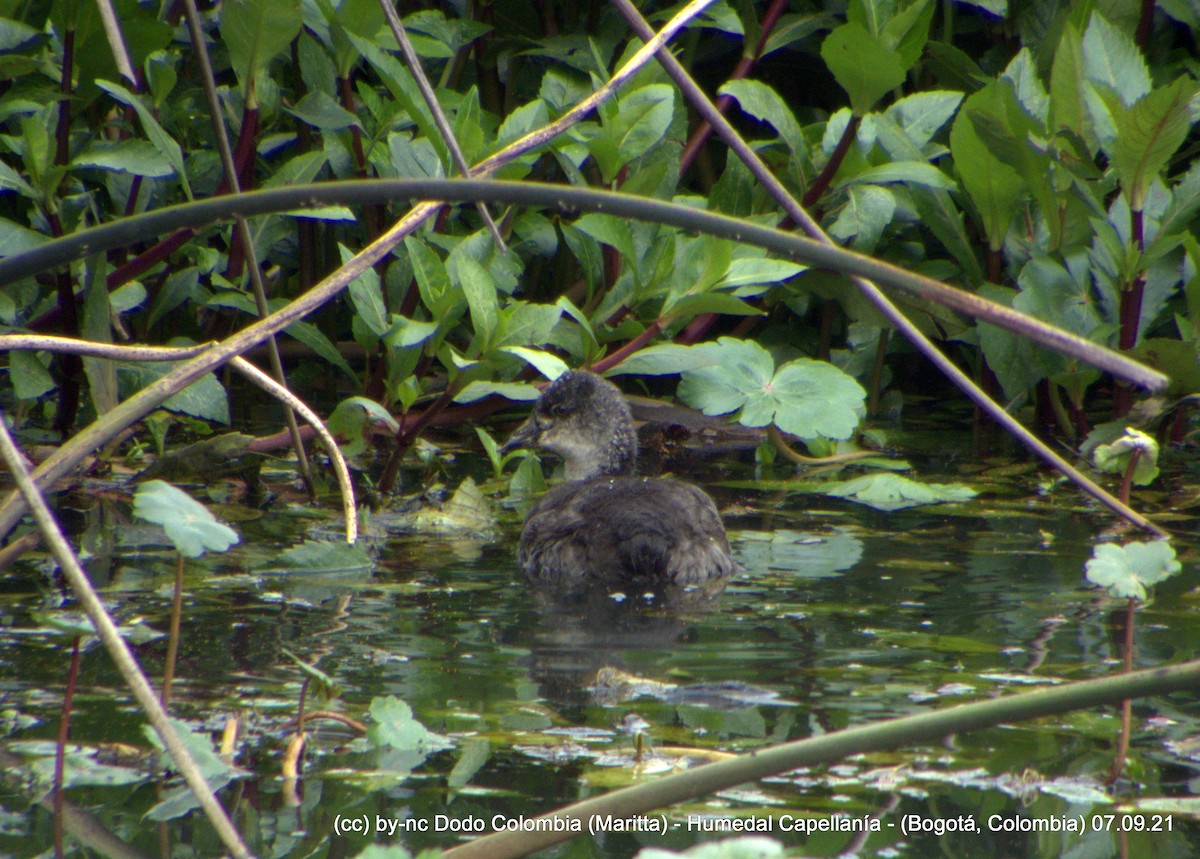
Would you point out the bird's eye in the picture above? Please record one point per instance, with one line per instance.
(560, 410)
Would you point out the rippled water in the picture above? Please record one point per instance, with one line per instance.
(842, 616)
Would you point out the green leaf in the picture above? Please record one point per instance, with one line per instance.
(367, 296)
(324, 556)
(480, 291)
(868, 211)
(908, 172)
(216, 772)
(806, 398)
(405, 332)
(642, 119)
(319, 110)
(922, 114)
(994, 187)
(1111, 58)
(158, 136)
(888, 492)
(546, 363)
(188, 523)
(515, 391)
(395, 726)
(762, 102)
(1068, 103)
(255, 32)
(665, 359)
(846, 51)
(204, 398)
(608, 230)
(1115, 457)
(28, 375)
(751, 271)
(1148, 135)
(475, 753)
(138, 157)
(1126, 571)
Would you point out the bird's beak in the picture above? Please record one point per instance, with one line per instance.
(526, 435)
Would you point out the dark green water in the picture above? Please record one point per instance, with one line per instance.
(844, 614)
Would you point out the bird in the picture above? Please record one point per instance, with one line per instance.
(605, 526)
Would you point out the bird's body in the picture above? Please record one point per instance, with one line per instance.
(605, 525)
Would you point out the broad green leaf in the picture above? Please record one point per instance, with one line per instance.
(324, 556)
(642, 119)
(319, 110)
(907, 31)
(473, 755)
(405, 332)
(28, 375)
(922, 114)
(886, 491)
(1148, 133)
(205, 398)
(305, 332)
(255, 32)
(162, 141)
(394, 725)
(524, 324)
(367, 297)
(139, 157)
(806, 398)
(1126, 571)
(665, 359)
(1113, 59)
(868, 211)
(217, 773)
(188, 523)
(846, 51)
(1068, 104)
(546, 363)
(908, 172)
(994, 187)
(480, 292)
(1115, 457)
(747, 271)
(762, 102)
(515, 391)
(608, 230)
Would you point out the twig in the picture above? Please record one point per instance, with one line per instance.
(116, 646)
(797, 213)
(439, 116)
(243, 228)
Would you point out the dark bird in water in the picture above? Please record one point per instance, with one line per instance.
(605, 525)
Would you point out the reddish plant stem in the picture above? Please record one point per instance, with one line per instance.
(1131, 316)
(409, 434)
(60, 748)
(1145, 19)
(62, 131)
(745, 65)
(821, 183)
(1127, 479)
(995, 265)
(244, 165)
(615, 358)
(1118, 764)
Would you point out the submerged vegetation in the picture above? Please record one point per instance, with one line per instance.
(1006, 193)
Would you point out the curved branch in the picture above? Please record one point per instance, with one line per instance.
(891, 734)
(571, 199)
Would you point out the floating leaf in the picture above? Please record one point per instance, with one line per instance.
(890, 492)
(806, 398)
(188, 523)
(325, 556)
(1126, 571)
(395, 726)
